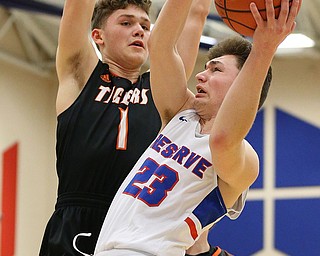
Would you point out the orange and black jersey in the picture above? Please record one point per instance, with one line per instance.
(103, 133)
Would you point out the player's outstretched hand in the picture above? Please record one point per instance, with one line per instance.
(272, 31)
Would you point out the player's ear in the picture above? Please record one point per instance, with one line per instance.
(96, 36)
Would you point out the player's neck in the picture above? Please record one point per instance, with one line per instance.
(130, 74)
(206, 125)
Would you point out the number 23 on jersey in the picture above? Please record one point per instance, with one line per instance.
(152, 183)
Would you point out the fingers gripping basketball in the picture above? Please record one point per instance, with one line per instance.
(237, 15)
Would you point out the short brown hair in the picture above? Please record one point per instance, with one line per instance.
(239, 47)
(104, 8)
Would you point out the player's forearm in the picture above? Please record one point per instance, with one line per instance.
(188, 42)
(238, 110)
(241, 102)
(169, 24)
(169, 95)
(75, 22)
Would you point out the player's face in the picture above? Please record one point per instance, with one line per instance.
(214, 82)
(125, 35)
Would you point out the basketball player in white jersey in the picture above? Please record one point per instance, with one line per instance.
(200, 166)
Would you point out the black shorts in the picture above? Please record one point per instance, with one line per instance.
(74, 227)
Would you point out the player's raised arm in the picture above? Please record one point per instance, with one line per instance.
(233, 158)
(168, 76)
(75, 58)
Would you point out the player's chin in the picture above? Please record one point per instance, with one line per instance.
(199, 102)
(138, 59)
(139, 51)
(200, 96)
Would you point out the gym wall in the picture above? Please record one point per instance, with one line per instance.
(27, 141)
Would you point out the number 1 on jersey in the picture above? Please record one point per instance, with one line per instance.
(122, 130)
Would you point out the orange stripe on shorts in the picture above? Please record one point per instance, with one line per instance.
(217, 252)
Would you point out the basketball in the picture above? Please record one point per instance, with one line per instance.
(237, 15)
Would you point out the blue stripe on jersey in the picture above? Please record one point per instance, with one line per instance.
(211, 208)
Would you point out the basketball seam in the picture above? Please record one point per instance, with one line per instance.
(237, 22)
(231, 22)
(243, 11)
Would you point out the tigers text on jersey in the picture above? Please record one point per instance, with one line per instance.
(169, 198)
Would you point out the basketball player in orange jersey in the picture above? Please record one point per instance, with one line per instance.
(106, 115)
(200, 166)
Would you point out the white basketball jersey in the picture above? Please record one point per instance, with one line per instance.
(169, 198)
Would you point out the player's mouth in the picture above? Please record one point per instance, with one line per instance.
(200, 91)
(137, 43)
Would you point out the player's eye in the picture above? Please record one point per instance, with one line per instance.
(215, 69)
(145, 27)
(125, 23)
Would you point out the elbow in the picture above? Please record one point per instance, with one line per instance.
(220, 141)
